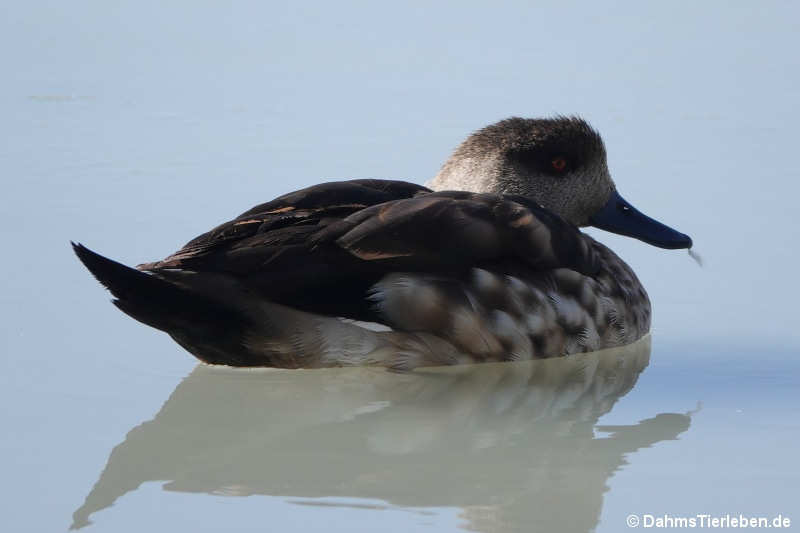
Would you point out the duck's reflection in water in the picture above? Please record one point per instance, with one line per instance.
(512, 444)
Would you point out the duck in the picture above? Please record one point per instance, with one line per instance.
(486, 263)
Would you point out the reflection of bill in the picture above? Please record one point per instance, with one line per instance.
(512, 444)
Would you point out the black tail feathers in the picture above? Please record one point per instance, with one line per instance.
(147, 298)
(125, 283)
(208, 327)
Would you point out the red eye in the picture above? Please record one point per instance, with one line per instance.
(559, 164)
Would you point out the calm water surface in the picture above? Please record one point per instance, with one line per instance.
(133, 127)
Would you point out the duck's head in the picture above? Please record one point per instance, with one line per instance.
(561, 164)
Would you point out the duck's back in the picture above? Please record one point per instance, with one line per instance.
(276, 249)
(322, 249)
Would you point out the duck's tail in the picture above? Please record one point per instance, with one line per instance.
(181, 304)
(143, 296)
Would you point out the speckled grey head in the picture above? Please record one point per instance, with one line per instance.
(559, 162)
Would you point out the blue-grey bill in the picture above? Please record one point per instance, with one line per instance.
(618, 216)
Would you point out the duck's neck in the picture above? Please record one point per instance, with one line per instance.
(466, 174)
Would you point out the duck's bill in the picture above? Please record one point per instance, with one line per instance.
(618, 216)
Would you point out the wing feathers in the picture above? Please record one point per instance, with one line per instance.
(333, 241)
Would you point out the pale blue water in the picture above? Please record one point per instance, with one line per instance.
(135, 126)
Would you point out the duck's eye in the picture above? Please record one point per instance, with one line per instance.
(559, 164)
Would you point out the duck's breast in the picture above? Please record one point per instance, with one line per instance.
(509, 312)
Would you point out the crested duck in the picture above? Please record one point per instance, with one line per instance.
(485, 264)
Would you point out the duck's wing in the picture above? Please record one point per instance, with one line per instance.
(458, 229)
(322, 248)
(299, 211)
